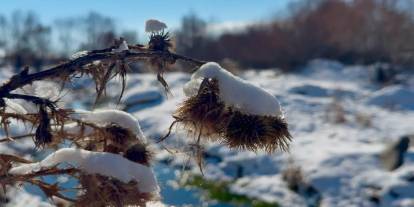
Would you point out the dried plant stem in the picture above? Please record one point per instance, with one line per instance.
(34, 99)
(51, 190)
(72, 66)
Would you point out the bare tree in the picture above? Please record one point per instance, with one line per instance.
(3, 31)
(67, 30)
(99, 30)
(28, 40)
(191, 36)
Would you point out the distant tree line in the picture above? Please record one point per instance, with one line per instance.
(353, 31)
(25, 40)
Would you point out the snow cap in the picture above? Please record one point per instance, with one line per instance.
(108, 116)
(153, 25)
(236, 92)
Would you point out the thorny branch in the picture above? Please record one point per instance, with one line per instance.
(49, 120)
(72, 66)
(101, 65)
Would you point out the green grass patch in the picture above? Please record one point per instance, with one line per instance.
(219, 191)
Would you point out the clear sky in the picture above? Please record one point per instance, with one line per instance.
(132, 14)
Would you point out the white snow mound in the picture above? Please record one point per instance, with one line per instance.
(235, 92)
(106, 164)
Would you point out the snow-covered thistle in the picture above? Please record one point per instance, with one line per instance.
(160, 41)
(223, 106)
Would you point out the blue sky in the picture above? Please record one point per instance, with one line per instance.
(132, 14)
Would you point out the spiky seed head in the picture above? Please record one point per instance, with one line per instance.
(206, 115)
(244, 131)
(139, 153)
(117, 138)
(160, 42)
(254, 132)
(118, 134)
(202, 113)
(277, 128)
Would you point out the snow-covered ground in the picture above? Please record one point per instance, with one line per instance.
(340, 121)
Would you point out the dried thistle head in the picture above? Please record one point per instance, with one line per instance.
(245, 131)
(203, 113)
(160, 42)
(117, 136)
(253, 132)
(109, 138)
(206, 115)
(139, 153)
(103, 191)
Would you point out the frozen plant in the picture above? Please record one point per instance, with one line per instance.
(223, 106)
(109, 154)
